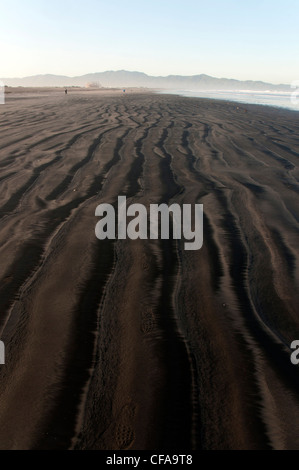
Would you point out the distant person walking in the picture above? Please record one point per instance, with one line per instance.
(65, 91)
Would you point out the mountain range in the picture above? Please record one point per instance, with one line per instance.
(123, 78)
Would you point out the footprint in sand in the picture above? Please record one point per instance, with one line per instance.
(124, 436)
(147, 321)
(124, 433)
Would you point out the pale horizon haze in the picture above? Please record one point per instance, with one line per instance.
(250, 40)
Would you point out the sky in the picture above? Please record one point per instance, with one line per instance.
(248, 39)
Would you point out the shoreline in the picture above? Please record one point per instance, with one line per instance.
(39, 91)
(228, 100)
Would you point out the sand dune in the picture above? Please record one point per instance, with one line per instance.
(141, 344)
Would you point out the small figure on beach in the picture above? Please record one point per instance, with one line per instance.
(65, 91)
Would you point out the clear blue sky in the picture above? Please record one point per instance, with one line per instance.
(243, 39)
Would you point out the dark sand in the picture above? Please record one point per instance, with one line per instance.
(141, 344)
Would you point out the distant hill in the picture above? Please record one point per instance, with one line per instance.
(123, 78)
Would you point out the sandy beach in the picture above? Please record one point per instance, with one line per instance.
(141, 344)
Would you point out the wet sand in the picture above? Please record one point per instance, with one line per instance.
(141, 344)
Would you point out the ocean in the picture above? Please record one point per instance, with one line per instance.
(281, 100)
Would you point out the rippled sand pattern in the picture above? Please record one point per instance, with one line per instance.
(141, 344)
